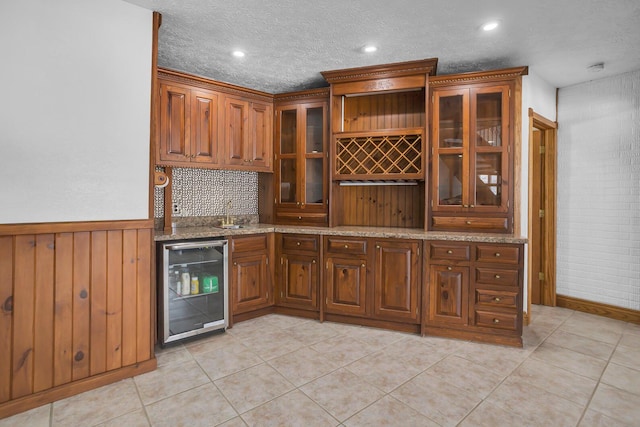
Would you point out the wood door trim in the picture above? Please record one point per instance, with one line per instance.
(550, 157)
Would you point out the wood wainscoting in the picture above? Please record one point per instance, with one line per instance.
(76, 308)
(601, 309)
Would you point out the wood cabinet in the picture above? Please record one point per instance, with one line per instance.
(373, 278)
(475, 291)
(248, 134)
(188, 126)
(250, 274)
(298, 278)
(301, 157)
(473, 127)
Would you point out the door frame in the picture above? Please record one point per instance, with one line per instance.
(548, 249)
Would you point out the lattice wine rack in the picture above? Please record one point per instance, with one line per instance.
(379, 155)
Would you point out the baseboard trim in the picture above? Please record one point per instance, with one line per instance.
(601, 309)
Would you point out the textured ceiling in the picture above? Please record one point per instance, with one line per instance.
(288, 42)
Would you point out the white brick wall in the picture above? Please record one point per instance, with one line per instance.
(598, 221)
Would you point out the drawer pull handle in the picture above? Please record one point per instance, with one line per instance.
(449, 251)
(497, 275)
(346, 246)
(472, 206)
(465, 206)
(377, 246)
(313, 261)
(449, 268)
(497, 254)
(496, 320)
(497, 299)
(362, 265)
(235, 263)
(468, 222)
(298, 243)
(299, 217)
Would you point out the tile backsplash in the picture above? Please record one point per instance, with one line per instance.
(207, 192)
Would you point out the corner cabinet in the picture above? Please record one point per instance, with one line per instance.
(473, 140)
(301, 157)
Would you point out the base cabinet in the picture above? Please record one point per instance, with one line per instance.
(298, 271)
(250, 279)
(448, 295)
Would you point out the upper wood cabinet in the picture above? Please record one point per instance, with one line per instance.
(188, 125)
(248, 134)
(301, 157)
(473, 139)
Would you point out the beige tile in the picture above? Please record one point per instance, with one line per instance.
(132, 419)
(342, 393)
(595, 327)
(252, 387)
(570, 360)
(36, 417)
(489, 415)
(535, 404)
(113, 400)
(436, 399)
(376, 338)
(545, 313)
(342, 349)
(475, 380)
(199, 407)
(627, 356)
(312, 332)
(382, 371)
(272, 344)
(281, 321)
(561, 382)
(416, 353)
(630, 339)
(621, 377)
(291, 409)
(303, 366)
(581, 344)
(179, 355)
(617, 404)
(211, 343)
(227, 360)
(389, 412)
(534, 335)
(234, 422)
(169, 380)
(250, 328)
(499, 359)
(632, 328)
(596, 419)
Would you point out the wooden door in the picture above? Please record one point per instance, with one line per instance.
(260, 143)
(299, 281)
(448, 295)
(236, 127)
(174, 123)
(396, 276)
(249, 282)
(346, 285)
(204, 127)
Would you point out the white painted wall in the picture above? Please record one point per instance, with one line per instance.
(598, 240)
(541, 96)
(74, 116)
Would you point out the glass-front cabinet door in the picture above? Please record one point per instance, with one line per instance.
(470, 149)
(300, 179)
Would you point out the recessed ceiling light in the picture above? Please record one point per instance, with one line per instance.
(489, 26)
(238, 53)
(369, 48)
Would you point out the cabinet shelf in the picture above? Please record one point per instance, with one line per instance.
(387, 154)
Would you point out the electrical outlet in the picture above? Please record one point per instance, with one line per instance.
(175, 209)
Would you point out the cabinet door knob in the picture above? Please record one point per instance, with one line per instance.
(346, 246)
(362, 265)
(472, 206)
(449, 268)
(298, 244)
(497, 254)
(497, 299)
(235, 263)
(497, 276)
(313, 261)
(297, 203)
(465, 206)
(449, 251)
(377, 246)
(299, 217)
(468, 222)
(496, 320)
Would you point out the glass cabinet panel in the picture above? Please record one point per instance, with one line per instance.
(488, 179)
(315, 130)
(450, 121)
(489, 119)
(450, 179)
(313, 181)
(288, 131)
(287, 181)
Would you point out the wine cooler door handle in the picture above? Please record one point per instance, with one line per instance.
(187, 245)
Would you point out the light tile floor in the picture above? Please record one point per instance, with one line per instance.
(574, 370)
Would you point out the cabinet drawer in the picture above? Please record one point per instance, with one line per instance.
(497, 298)
(249, 244)
(301, 218)
(496, 320)
(470, 223)
(450, 252)
(497, 276)
(302, 243)
(346, 246)
(502, 254)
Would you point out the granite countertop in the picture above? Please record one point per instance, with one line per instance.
(198, 232)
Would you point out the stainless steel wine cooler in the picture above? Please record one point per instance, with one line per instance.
(193, 296)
